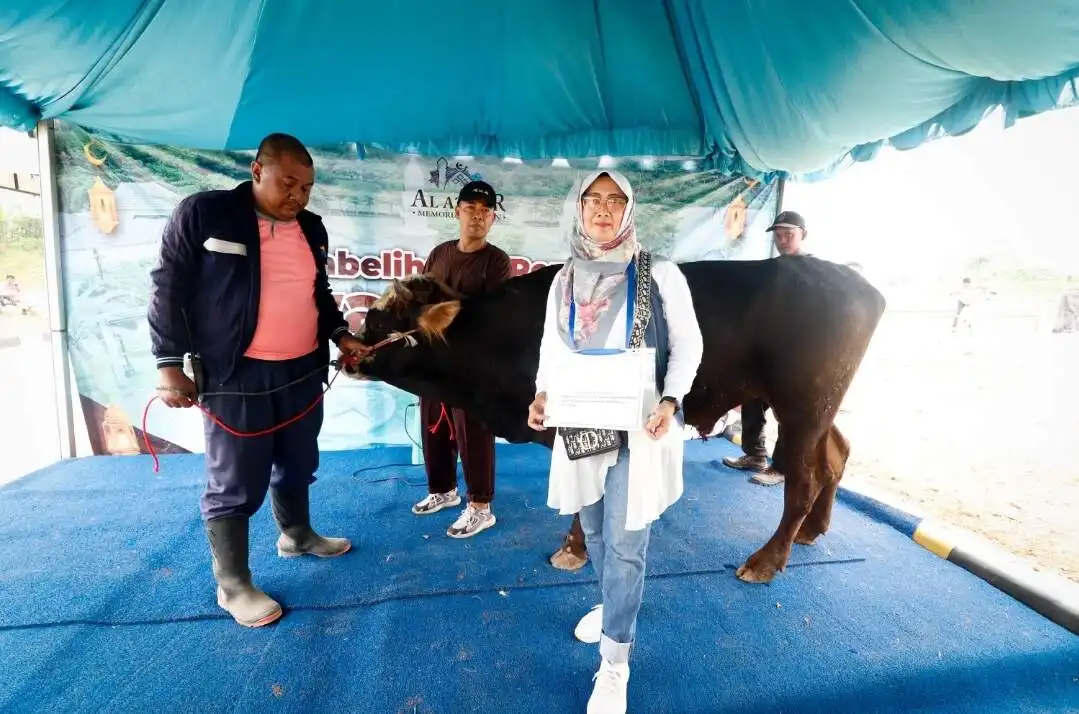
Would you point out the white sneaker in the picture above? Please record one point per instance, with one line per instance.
(609, 692)
(471, 521)
(590, 627)
(435, 502)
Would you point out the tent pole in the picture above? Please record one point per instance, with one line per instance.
(781, 184)
(50, 225)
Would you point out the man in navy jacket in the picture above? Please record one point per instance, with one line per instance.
(242, 284)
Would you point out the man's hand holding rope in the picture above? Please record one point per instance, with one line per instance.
(176, 390)
(352, 349)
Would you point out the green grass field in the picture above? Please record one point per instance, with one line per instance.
(27, 264)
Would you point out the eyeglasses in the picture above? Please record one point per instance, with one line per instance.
(611, 202)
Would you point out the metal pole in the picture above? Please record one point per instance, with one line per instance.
(780, 185)
(19, 190)
(50, 225)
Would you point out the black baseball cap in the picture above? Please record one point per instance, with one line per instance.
(787, 219)
(478, 191)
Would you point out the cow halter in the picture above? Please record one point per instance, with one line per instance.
(394, 337)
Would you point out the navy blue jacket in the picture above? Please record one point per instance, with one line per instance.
(207, 302)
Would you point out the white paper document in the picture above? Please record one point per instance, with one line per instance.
(607, 391)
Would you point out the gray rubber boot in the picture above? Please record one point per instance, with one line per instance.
(292, 512)
(248, 605)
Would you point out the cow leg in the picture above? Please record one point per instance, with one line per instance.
(794, 458)
(572, 555)
(832, 453)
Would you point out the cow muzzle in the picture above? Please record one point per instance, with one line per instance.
(353, 368)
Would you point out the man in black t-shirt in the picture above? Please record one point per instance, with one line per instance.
(471, 266)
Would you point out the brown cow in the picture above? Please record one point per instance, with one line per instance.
(791, 330)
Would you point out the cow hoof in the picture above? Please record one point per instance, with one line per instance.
(805, 539)
(564, 559)
(748, 575)
(756, 570)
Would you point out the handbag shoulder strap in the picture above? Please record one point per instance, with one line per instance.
(642, 308)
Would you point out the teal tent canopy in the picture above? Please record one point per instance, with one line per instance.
(757, 85)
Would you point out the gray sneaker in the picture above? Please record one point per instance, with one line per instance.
(768, 477)
(471, 521)
(435, 502)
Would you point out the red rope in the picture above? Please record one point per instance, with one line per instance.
(342, 362)
(216, 420)
(449, 423)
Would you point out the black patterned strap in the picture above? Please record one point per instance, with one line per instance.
(581, 443)
(642, 309)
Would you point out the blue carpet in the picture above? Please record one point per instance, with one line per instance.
(106, 604)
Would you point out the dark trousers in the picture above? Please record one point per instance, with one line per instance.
(753, 443)
(471, 440)
(239, 468)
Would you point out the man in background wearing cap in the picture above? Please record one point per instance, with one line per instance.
(788, 234)
(471, 266)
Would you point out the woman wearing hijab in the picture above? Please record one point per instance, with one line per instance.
(612, 295)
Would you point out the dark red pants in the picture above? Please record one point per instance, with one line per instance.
(457, 433)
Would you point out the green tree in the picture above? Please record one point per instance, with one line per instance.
(20, 232)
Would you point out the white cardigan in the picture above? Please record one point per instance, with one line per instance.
(655, 467)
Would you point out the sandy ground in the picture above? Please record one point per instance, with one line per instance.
(981, 431)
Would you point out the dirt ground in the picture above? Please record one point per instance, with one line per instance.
(980, 431)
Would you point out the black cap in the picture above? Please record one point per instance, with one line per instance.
(787, 219)
(478, 191)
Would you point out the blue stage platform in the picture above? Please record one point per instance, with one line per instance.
(106, 604)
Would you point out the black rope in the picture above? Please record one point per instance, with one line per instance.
(379, 467)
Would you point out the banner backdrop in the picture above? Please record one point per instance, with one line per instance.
(384, 213)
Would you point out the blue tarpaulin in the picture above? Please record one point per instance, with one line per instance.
(758, 85)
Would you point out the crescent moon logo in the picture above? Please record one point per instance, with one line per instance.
(94, 160)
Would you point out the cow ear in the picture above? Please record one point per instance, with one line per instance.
(434, 319)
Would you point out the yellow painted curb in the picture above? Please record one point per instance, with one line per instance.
(935, 537)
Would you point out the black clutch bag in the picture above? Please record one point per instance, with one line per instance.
(582, 443)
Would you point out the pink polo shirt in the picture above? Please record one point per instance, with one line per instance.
(288, 317)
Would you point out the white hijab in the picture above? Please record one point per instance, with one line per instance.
(595, 274)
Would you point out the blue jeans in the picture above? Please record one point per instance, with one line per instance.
(619, 558)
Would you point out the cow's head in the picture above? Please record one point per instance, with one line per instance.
(420, 306)
(476, 354)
